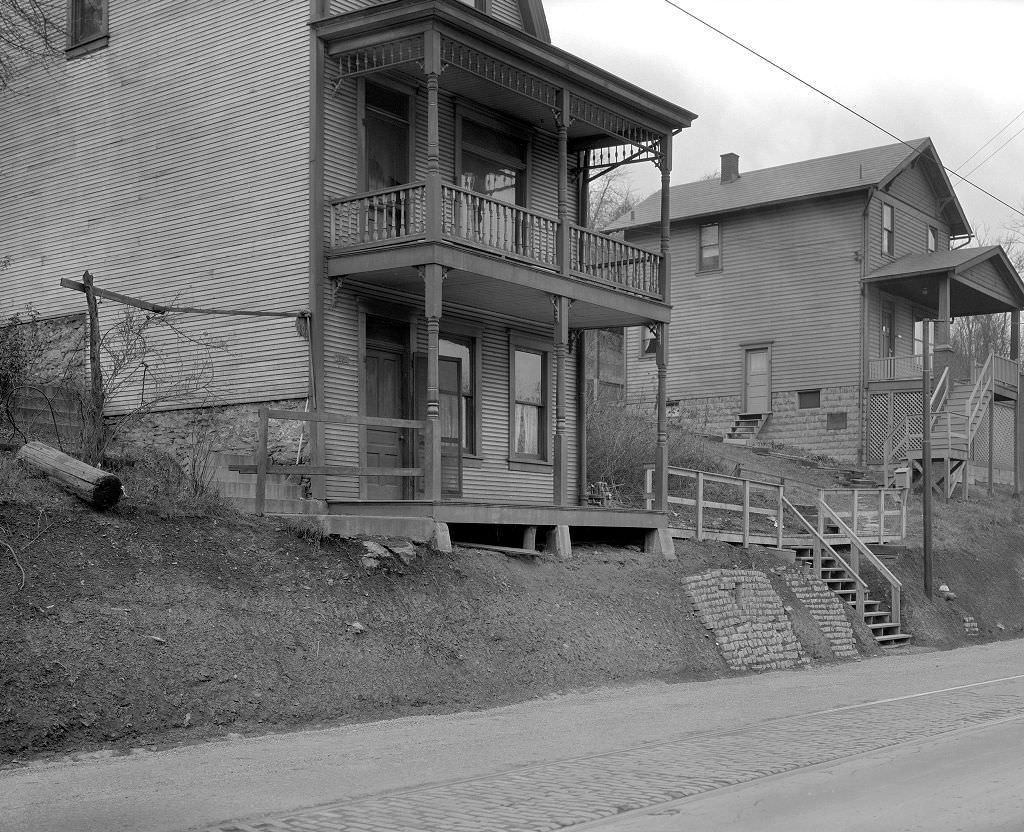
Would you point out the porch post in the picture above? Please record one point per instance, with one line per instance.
(432, 67)
(563, 184)
(433, 278)
(943, 353)
(665, 276)
(560, 456)
(1015, 335)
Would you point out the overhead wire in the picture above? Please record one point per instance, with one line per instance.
(994, 152)
(835, 101)
(992, 139)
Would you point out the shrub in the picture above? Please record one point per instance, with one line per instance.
(622, 440)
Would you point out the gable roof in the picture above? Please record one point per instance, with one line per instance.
(829, 175)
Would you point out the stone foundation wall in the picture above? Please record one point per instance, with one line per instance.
(712, 414)
(827, 611)
(58, 349)
(833, 429)
(747, 618)
(229, 429)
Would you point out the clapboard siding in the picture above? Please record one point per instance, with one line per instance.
(506, 11)
(173, 167)
(911, 224)
(341, 388)
(913, 188)
(789, 277)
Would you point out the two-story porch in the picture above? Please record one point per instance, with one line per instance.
(914, 301)
(458, 271)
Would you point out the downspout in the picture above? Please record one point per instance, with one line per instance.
(862, 398)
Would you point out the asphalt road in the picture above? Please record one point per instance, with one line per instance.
(926, 731)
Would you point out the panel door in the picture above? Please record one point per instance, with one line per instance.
(757, 396)
(384, 396)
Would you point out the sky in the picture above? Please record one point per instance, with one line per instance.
(940, 68)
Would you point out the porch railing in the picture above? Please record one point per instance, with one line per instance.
(499, 226)
(403, 214)
(379, 217)
(611, 260)
(1005, 370)
(896, 367)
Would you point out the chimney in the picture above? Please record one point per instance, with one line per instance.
(730, 168)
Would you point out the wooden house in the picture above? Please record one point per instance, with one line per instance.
(806, 287)
(411, 174)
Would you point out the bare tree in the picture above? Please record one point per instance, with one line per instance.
(611, 196)
(32, 32)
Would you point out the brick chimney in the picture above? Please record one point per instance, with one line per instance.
(730, 168)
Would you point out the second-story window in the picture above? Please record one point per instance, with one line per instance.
(87, 24)
(386, 131)
(933, 238)
(888, 229)
(710, 254)
(492, 162)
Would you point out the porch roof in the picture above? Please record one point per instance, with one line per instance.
(984, 281)
(597, 97)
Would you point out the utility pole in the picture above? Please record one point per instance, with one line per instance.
(926, 457)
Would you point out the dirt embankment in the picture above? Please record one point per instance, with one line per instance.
(134, 628)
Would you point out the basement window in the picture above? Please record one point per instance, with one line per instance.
(836, 421)
(807, 399)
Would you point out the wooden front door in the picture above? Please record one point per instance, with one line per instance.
(384, 397)
(757, 385)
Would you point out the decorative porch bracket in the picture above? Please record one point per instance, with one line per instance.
(413, 50)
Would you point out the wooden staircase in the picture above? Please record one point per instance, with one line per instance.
(832, 564)
(958, 411)
(878, 618)
(745, 426)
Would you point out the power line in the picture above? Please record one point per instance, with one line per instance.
(835, 101)
(994, 137)
(994, 152)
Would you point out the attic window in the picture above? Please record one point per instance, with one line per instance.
(479, 5)
(933, 238)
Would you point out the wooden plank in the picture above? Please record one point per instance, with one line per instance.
(261, 461)
(343, 419)
(328, 470)
(162, 309)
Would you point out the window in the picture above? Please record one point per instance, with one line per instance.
(836, 421)
(386, 130)
(480, 5)
(888, 229)
(710, 256)
(461, 397)
(933, 238)
(529, 398)
(648, 342)
(492, 160)
(605, 364)
(807, 399)
(87, 25)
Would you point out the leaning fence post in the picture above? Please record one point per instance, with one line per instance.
(700, 505)
(781, 498)
(261, 460)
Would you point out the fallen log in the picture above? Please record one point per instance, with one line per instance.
(98, 488)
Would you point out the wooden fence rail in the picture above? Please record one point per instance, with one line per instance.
(263, 467)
